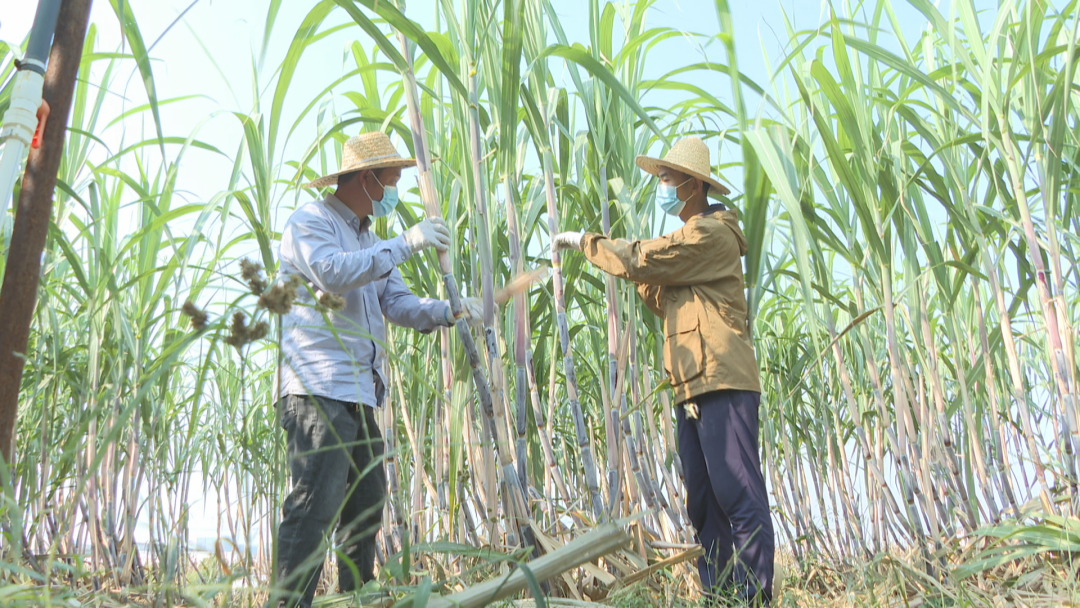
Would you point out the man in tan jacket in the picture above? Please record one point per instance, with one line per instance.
(692, 278)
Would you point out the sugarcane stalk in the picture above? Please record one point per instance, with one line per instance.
(855, 532)
(484, 484)
(660, 451)
(997, 444)
(647, 443)
(783, 498)
(900, 404)
(944, 433)
(513, 497)
(586, 548)
(440, 424)
(587, 461)
(1015, 376)
(420, 479)
(483, 241)
(974, 427)
(553, 469)
(631, 451)
(628, 385)
(886, 427)
(395, 540)
(522, 334)
(648, 474)
(1059, 364)
(497, 408)
(933, 510)
(873, 466)
(611, 424)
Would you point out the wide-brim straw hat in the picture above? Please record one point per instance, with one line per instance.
(689, 155)
(364, 151)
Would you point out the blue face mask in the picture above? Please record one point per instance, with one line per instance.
(385, 205)
(667, 198)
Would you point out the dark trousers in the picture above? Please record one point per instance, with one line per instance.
(725, 493)
(336, 463)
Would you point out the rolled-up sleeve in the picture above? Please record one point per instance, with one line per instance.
(679, 258)
(406, 309)
(311, 246)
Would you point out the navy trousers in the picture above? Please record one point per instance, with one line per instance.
(725, 494)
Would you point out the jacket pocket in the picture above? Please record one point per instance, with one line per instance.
(684, 347)
(734, 319)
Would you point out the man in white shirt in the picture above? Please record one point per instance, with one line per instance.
(332, 376)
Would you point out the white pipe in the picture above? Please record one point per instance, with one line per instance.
(20, 122)
(9, 166)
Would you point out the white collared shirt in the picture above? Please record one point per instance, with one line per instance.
(334, 353)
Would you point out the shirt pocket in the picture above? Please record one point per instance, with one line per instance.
(684, 346)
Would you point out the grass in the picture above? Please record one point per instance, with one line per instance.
(912, 280)
(886, 580)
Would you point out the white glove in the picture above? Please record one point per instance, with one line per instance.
(474, 310)
(431, 232)
(567, 240)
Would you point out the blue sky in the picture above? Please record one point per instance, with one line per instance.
(232, 32)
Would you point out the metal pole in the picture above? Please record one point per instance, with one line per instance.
(20, 120)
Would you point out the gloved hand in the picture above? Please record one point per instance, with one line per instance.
(431, 232)
(474, 310)
(567, 240)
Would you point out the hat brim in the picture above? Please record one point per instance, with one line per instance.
(652, 165)
(331, 178)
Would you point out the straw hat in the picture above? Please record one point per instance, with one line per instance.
(365, 151)
(689, 155)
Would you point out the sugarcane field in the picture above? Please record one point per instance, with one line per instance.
(539, 303)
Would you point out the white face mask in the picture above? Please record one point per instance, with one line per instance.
(385, 205)
(667, 198)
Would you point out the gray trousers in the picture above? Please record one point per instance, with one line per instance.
(338, 481)
(725, 494)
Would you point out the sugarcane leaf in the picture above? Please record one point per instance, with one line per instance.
(423, 593)
(534, 586)
(129, 29)
(511, 67)
(902, 66)
(301, 40)
(412, 31)
(582, 58)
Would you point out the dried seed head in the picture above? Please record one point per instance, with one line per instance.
(331, 301)
(252, 274)
(279, 298)
(237, 331)
(198, 317)
(241, 334)
(258, 331)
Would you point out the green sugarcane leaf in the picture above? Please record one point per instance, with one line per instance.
(584, 59)
(301, 40)
(129, 28)
(902, 66)
(511, 67)
(412, 31)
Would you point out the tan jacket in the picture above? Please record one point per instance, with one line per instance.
(693, 280)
